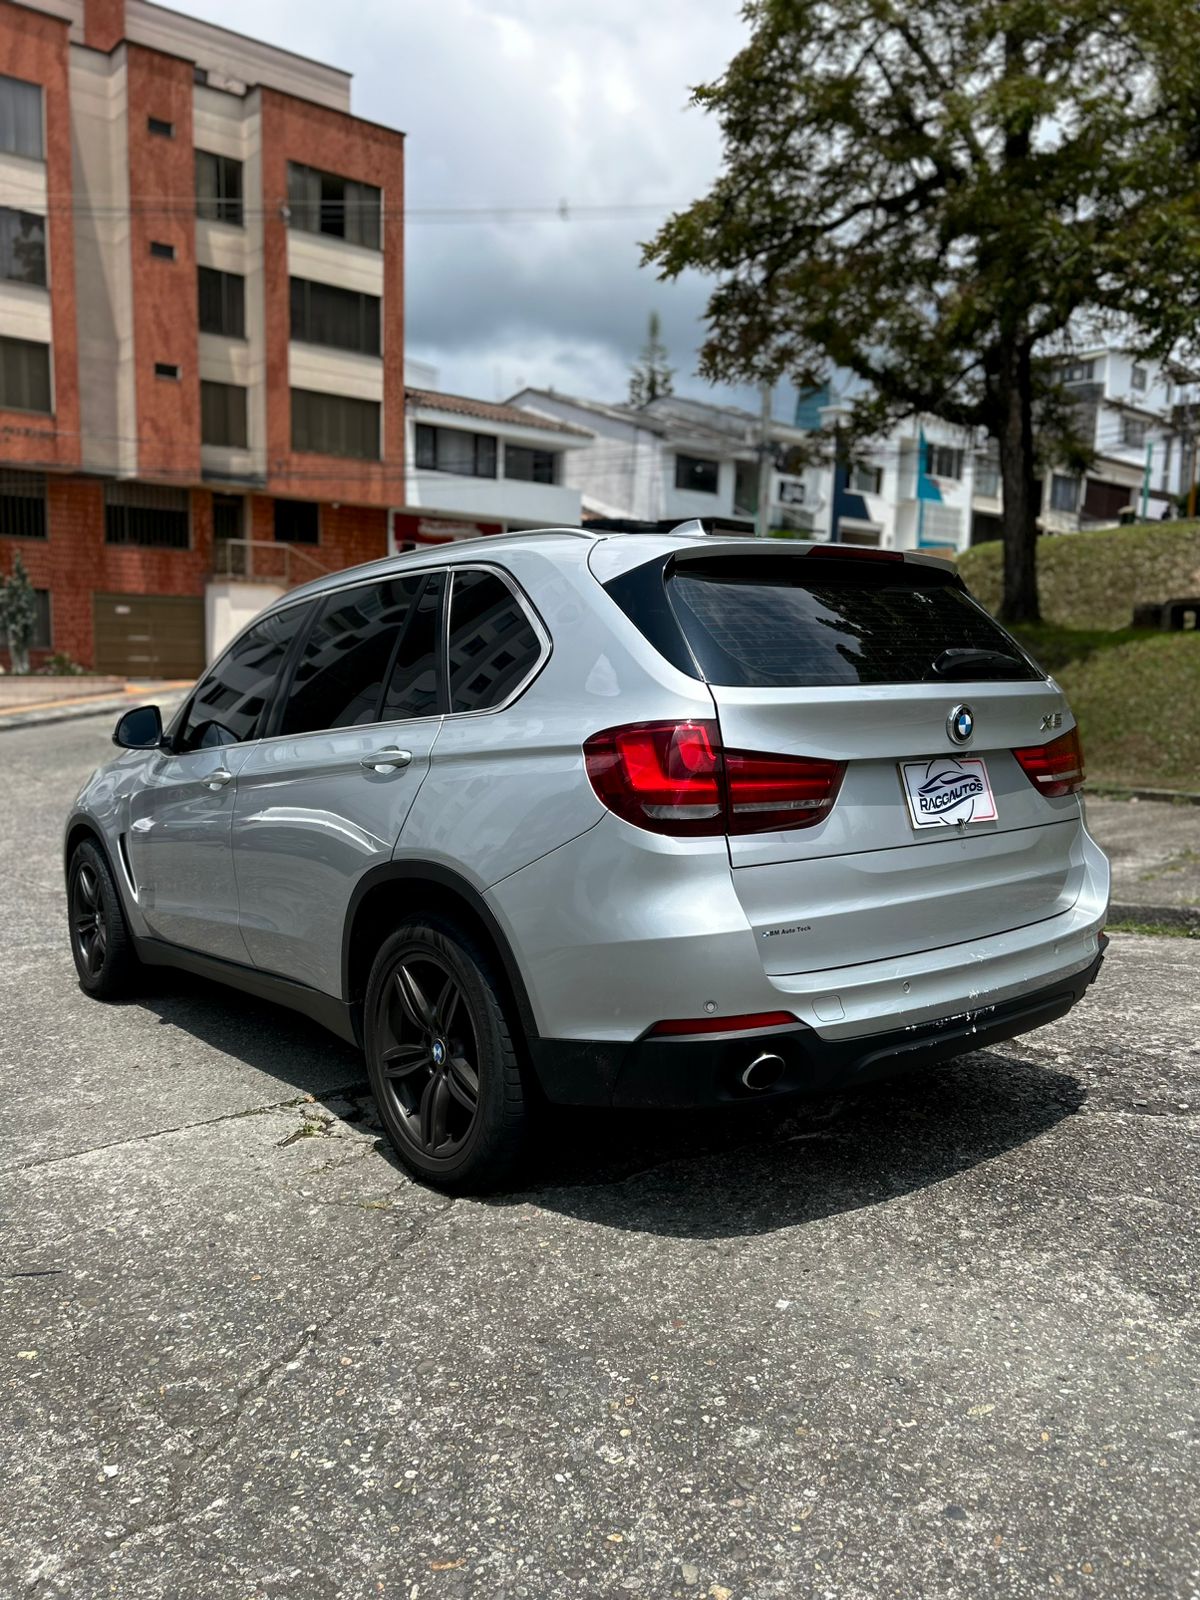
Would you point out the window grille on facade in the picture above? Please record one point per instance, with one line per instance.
(22, 504)
(146, 514)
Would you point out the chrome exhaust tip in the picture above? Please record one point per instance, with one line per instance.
(763, 1072)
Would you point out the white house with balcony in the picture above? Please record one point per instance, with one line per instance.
(473, 467)
(677, 458)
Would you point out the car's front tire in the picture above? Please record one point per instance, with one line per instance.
(441, 1059)
(101, 944)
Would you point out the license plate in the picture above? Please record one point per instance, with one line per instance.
(947, 790)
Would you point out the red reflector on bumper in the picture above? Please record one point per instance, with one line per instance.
(759, 1019)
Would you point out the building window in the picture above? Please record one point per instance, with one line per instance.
(470, 455)
(144, 514)
(341, 318)
(987, 477)
(162, 252)
(218, 188)
(335, 425)
(200, 76)
(1064, 493)
(21, 118)
(22, 504)
(1078, 371)
(321, 202)
(866, 480)
(166, 369)
(22, 246)
(1134, 430)
(1138, 379)
(24, 375)
(944, 462)
(697, 474)
(160, 127)
(297, 521)
(532, 466)
(41, 639)
(222, 302)
(223, 415)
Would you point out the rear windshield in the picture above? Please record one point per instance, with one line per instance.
(803, 621)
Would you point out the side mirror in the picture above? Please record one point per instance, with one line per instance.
(139, 729)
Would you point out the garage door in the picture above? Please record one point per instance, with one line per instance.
(149, 635)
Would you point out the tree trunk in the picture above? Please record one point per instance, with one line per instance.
(1019, 478)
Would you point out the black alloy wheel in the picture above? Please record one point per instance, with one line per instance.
(428, 1054)
(105, 956)
(441, 1058)
(89, 926)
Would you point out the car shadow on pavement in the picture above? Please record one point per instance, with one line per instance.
(732, 1172)
(724, 1175)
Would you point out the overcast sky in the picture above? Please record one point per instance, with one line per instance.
(528, 103)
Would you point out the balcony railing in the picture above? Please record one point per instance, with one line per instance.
(266, 561)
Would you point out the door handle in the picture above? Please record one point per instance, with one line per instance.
(218, 779)
(386, 760)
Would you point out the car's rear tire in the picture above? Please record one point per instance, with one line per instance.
(441, 1059)
(101, 944)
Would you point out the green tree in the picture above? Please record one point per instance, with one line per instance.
(651, 376)
(937, 196)
(18, 614)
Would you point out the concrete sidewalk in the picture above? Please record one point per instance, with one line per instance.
(21, 707)
(1154, 848)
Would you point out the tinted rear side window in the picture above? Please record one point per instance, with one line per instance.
(804, 622)
(339, 678)
(228, 705)
(412, 689)
(493, 644)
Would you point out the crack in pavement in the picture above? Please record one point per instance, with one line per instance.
(226, 1426)
(348, 1090)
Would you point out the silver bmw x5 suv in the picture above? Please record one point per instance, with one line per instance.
(624, 820)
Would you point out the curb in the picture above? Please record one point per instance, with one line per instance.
(1170, 916)
(1118, 791)
(73, 713)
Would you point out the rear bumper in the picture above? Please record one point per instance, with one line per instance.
(679, 1073)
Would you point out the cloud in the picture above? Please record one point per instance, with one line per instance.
(523, 105)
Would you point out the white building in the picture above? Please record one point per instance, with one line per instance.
(677, 458)
(473, 467)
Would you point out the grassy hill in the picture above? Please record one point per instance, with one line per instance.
(1136, 694)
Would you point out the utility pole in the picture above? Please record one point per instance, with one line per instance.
(762, 522)
(1146, 478)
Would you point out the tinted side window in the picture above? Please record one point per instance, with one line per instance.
(228, 706)
(412, 690)
(493, 645)
(340, 675)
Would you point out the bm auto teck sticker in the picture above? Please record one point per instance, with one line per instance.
(947, 790)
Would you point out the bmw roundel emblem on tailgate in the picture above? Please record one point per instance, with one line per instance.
(960, 724)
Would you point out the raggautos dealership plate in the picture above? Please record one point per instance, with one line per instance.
(947, 790)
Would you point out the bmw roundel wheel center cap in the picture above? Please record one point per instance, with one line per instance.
(960, 724)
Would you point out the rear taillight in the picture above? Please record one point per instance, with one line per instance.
(674, 778)
(1055, 768)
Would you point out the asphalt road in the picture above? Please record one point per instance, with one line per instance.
(938, 1340)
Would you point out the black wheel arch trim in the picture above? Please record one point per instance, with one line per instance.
(401, 872)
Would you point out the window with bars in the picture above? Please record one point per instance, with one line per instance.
(218, 188)
(223, 414)
(335, 425)
(145, 514)
(297, 521)
(532, 466)
(469, 455)
(21, 118)
(342, 208)
(42, 636)
(341, 318)
(222, 302)
(22, 504)
(24, 375)
(22, 246)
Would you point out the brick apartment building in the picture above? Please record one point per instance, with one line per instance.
(201, 326)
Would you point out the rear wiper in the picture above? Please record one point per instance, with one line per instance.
(963, 663)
